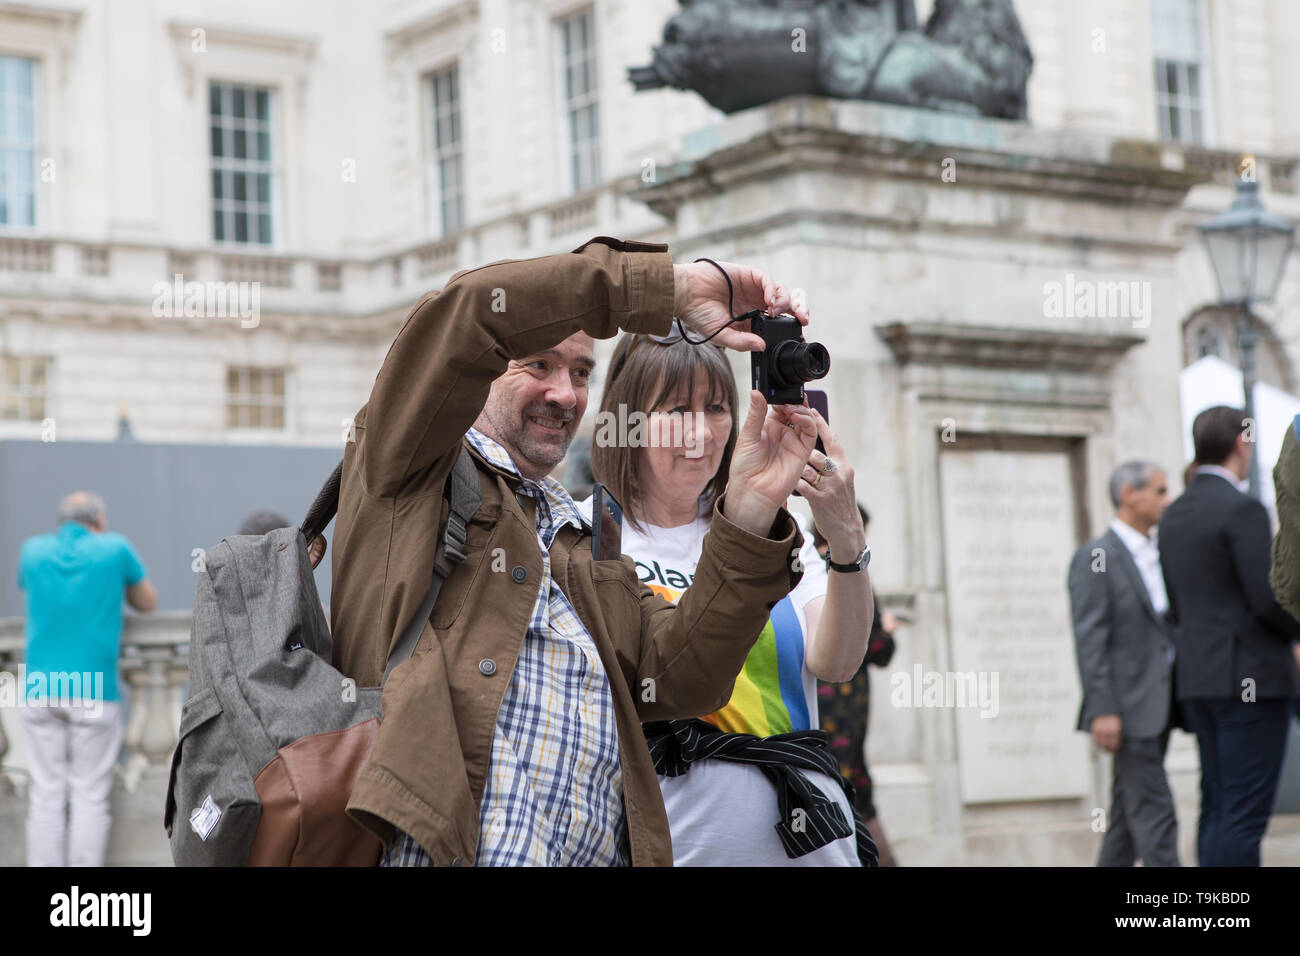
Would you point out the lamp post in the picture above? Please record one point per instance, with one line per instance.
(1248, 248)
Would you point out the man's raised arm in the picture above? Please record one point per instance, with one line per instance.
(438, 371)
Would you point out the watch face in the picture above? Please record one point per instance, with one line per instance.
(863, 559)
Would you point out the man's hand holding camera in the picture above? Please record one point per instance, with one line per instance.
(700, 301)
(775, 441)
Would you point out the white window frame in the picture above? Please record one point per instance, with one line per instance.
(450, 32)
(1205, 92)
(229, 163)
(281, 62)
(25, 391)
(435, 153)
(28, 227)
(565, 107)
(254, 432)
(47, 35)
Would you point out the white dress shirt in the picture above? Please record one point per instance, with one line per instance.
(1146, 555)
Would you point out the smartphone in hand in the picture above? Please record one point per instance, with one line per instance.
(606, 525)
(817, 400)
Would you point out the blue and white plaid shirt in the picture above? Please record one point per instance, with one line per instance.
(554, 791)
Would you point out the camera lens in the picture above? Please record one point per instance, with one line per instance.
(799, 362)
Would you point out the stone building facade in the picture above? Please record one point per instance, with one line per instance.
(336, 160)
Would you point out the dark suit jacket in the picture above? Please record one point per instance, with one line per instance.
(1214, 547)
(1121, 643)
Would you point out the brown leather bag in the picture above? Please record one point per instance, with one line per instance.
(266, 696)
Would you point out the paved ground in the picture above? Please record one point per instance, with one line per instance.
(138, 838)
(1282, 842)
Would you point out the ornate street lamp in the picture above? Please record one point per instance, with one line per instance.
(1248, 248)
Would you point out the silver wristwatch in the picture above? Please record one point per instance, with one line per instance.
(860, 564)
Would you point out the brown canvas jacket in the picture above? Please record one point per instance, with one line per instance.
(427, 771)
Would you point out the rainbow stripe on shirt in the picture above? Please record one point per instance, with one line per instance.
(768, 697)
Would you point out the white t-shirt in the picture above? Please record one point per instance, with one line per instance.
(723, 813)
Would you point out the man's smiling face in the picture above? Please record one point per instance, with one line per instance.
(534, 407)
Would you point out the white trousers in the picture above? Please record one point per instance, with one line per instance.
(71, 751)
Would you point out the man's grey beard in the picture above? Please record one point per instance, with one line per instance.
(541, 454)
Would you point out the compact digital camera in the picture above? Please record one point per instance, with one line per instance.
(781, 369)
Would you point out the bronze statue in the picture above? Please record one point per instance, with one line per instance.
(970, 57)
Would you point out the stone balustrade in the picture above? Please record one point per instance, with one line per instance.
(128, 272)
(155, 671)
(155, 668)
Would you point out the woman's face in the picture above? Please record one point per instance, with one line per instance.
(686, 440)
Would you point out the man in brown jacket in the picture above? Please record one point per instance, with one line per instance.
(512, 734)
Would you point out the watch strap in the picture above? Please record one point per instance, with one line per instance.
(864, 558)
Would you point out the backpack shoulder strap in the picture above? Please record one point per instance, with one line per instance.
(465, 498)
(322, 510)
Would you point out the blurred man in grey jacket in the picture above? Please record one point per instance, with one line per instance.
(1125, 653)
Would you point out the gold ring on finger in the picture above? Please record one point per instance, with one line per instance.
(816, 481)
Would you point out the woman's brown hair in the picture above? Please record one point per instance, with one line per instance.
(642, 375)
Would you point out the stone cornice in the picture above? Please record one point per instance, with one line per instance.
(56, 28)
(400, 39)
(362, 328)
(294, 51)
(294, 46)
(61, 18)
(800, 134)
(997, 347)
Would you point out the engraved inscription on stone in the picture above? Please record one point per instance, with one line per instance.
(1008, 537)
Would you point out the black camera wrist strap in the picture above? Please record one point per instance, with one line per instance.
(731, 310)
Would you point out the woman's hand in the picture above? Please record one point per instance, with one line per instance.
(833, 500)
(839, 625)
(771, 450)
(700, 301)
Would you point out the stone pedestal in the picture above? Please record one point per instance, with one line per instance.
(1003, 308)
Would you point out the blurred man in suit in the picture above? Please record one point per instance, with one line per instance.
(1125, 653)
(1235, 673)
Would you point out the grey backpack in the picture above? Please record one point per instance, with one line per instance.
(273, 736)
